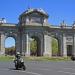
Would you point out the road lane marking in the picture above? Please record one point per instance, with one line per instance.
(59, 70)
(67, 72)
(27, 72)
(43, 69)
(70, 68)
(21, 71)
(33, 73)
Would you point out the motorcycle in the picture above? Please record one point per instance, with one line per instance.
(19, 65)
(73, 58)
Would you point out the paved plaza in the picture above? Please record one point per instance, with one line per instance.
(39, 68)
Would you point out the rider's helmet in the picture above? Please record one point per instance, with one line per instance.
(18, 55)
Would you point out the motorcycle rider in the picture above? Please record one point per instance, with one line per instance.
(18, 57)
(19, 61)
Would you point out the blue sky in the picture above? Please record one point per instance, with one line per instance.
(58, 10)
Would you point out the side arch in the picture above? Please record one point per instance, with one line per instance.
(55, 45)
(12, 35)
(10, 46)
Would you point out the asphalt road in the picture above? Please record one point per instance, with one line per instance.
(39, 68)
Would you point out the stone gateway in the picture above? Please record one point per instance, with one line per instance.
(33, 23)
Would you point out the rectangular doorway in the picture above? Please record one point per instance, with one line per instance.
(69, 50)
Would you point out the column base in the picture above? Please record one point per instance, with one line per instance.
(23, 53)
(64, 55)
(27, 55)
(2, 52)
(47, 54)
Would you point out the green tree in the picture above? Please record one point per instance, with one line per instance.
(33, 47)
(10, 50)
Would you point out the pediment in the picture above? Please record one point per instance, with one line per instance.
(34, 11)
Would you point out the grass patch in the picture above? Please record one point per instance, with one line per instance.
(47, 58)
(6, 58)
(33, 58)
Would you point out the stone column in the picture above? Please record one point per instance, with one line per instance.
(42, 46)
(73, 51)
(47, 46)
(18, 43)
(23, 44)
(60, 47)
(2, 44)
(27, 45)
(63, 46)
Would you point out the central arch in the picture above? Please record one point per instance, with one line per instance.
(35, 46)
